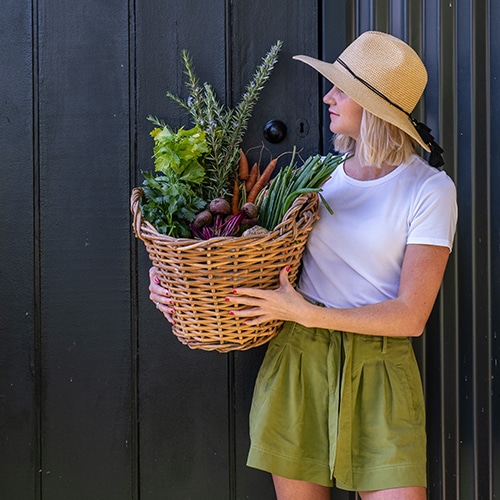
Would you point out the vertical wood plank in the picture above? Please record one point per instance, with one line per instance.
(18, 416)
(335, 38)
(183, 411)
(292, 95)
(494, 200)
(494, 211)
(84, 186)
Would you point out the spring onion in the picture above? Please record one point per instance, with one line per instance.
(292, 181)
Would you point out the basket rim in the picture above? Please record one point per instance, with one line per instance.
(137, 193)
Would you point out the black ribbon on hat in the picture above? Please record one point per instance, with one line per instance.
(435, 158)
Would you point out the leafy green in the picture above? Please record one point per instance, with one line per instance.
(172, 199)
(179, 152)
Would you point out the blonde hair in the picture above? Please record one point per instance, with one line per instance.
(380, 142)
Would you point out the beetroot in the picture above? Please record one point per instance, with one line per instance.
(218, 221)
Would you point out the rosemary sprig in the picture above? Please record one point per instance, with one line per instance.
(224, 126)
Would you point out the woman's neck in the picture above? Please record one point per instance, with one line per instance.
(354, 169)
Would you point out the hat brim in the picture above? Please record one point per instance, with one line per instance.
(360, 93)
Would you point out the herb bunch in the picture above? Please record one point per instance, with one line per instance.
(224, 126)
(171, 199)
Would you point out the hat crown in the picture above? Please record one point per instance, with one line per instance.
(389, 65)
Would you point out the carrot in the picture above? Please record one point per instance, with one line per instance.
(263, 180)
(243, 167)
(252, 177)
(235, 200)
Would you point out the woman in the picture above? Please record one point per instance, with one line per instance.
(338, 399)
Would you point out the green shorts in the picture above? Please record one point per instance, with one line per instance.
(339, 408)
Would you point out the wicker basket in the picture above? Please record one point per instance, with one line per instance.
(200, 274)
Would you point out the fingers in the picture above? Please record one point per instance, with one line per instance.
(167, 311)
(256, 320)
(157, 292)
(158, 289)
(154, 277)
(154, 283)
(153, 273)
(265, 305)
(257, 293)
(284, 281)
(160, 296)
(253, 316)
(255, 298)
(164, 305)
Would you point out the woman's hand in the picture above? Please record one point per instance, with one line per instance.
(160, 296)
(283, 303)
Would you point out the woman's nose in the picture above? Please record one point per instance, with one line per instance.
(329, 97)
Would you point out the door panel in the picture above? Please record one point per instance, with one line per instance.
(83, 153)
(18, 370)
(183, 394)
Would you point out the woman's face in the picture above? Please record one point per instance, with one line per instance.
(345, 114)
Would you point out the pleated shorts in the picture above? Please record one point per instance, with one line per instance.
(338, 408)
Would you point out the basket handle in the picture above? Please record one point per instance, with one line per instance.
(135, 208)
(302, 208)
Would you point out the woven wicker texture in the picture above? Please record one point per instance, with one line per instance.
(200, 274)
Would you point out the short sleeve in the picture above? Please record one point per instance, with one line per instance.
(434, 213)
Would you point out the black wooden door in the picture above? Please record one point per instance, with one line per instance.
(98, 399)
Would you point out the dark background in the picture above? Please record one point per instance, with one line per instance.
(98, 400)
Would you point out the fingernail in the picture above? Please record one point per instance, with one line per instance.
(287, 268)
(233, 291)
(231, 313)
(227, 299)
(157, 281)
(171, 302)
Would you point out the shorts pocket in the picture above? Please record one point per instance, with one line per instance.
(407, 388)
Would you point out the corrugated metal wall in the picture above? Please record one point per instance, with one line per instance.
(459, 41)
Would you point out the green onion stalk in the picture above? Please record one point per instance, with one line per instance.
(292, 181)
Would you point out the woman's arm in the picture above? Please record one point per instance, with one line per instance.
(406, 315)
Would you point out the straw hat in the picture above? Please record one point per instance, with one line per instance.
(385, 76)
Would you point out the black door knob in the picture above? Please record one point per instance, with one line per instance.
(275, 131)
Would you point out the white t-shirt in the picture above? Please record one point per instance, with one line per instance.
(354, 256)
